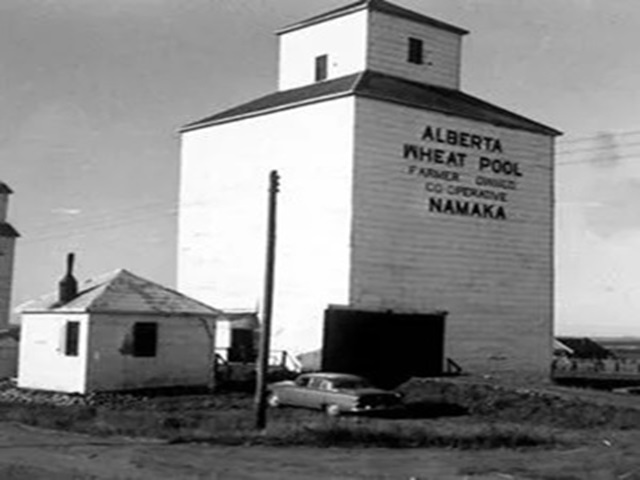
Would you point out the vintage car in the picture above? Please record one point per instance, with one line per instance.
(335, 393)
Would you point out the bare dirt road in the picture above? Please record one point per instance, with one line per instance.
(34, 454)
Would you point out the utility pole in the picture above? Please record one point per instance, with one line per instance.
(265, 333)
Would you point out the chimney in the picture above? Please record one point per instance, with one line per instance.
(68, 286)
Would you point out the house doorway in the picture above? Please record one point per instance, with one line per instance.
(242, 348)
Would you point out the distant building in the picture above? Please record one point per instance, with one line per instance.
(237, 336)
(117, 332)
(400, 196)
(8, 236)
(586, 348)
(622, 347)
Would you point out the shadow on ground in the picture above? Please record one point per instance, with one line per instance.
(422, 410)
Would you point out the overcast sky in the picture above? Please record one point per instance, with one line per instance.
(92, 93)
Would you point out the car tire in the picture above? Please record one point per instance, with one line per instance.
(273, 400)
(332, 410)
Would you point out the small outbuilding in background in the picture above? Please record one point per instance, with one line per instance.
(117, 332)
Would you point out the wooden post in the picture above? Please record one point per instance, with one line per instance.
(265, 332)
(210, 330)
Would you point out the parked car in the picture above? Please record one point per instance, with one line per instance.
(628, 390)
(335, 393)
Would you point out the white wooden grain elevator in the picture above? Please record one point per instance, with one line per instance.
(400, 195)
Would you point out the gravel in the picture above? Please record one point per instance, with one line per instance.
(10, 393)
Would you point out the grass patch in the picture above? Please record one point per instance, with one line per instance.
(227, 419)
(523, 405)
(49, 416)
(384, 435)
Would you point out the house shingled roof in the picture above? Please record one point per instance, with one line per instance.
(122, 292)
(377, 6)
(380, 86)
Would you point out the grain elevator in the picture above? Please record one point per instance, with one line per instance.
(8, 236)
(413, 217)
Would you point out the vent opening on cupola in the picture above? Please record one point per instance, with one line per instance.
(322, 67)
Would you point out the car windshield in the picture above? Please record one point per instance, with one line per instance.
(350, 383)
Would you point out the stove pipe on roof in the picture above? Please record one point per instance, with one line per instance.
(68, 286)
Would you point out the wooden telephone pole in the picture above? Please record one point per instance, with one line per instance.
(265, 333)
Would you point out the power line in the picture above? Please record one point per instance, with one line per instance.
(146, 212)
(90, 229)
(624, 133)
(104, 224)
(97, 216)
(111, 213)
(635, 155)
(596, 149)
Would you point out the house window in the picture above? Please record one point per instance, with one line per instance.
(416, 47)
(71, 339)
(322, 63)
(145, 339)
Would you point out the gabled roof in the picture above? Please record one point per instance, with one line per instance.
(4, 189)
(375, 6)
(122, 292)
(583, 347)
(7, 231)
(282, 99)
(445, 100)
(242, 320)
(382, 87)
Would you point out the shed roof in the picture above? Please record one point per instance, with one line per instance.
(376, 6)
(561, 347)
(6, 230)
(122, 292)
(584, 347)
(380, 86)
(242, 320)
(4, 188)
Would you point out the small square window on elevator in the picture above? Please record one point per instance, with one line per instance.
(416, 51)
(322, 68)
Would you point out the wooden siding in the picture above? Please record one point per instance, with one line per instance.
(223, 206)
(8, 358)
(4, 206)
(42, 362)
(7, 249)
(494, 277)
(389, 46)
(181, 357)
(343, 40)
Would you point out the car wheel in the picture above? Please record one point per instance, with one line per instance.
(273, 400)
(332, 410)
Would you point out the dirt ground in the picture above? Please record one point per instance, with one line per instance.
(29, 453)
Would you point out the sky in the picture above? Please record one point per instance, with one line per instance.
(92, 95)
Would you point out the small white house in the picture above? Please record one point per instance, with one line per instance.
(117, 332)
